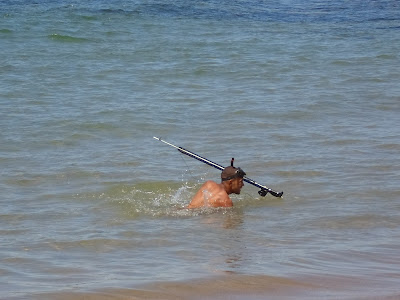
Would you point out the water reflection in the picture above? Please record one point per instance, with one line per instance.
(228, 251)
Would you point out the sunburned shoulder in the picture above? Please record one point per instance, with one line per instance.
(210, 183)
(215, 195)
(210, 194)
(212, 187)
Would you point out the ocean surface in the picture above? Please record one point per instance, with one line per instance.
(305, 95)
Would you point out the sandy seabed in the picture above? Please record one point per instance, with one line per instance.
(238, 287)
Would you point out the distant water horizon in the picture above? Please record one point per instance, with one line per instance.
(303, 94)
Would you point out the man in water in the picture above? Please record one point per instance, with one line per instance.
(212, 194)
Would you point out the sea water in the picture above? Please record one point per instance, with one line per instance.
(305, 95)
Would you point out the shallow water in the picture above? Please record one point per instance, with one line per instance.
(304, 95)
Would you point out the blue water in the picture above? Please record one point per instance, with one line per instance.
(304, 94)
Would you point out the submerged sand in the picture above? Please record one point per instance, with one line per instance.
(235, 287)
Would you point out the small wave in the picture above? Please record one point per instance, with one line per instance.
(302, 174)
(89, 18)
(5, 31)
(153, 199)
(390, 146)
(157, 200)
(363, 221)
(66, 38)
(96, 244)
(99, 126)
(387, 56)
(342, 62)
(343, 142)
(25, 181)
(6, 232)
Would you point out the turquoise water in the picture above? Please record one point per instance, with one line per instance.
(304, 95)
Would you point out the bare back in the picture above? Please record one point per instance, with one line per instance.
(211, 194)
